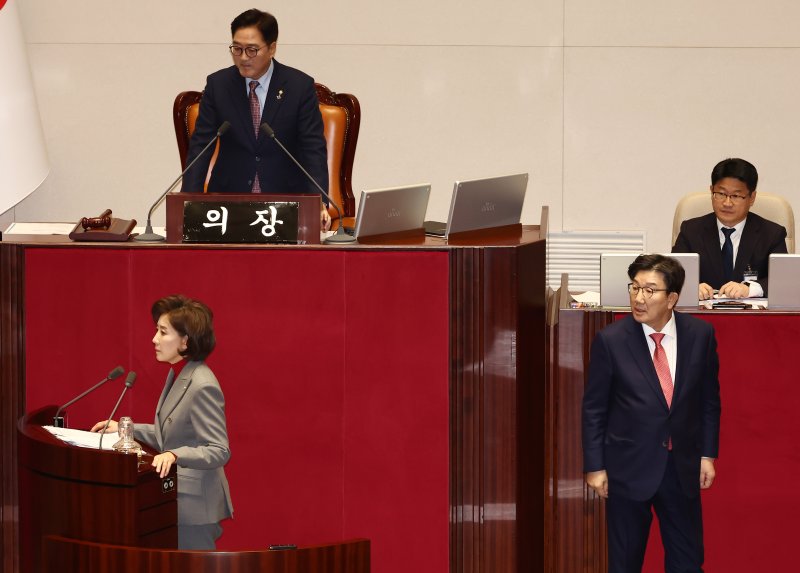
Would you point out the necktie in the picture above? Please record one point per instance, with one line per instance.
(662, 367)
(255, 113)
(662, 370)
(727, 254)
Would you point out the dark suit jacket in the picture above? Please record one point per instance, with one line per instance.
(760, 239)
(626, 421)
(291, 108)
(190, 422)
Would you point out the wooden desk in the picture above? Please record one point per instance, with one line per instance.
(750, 511)
(392, 392)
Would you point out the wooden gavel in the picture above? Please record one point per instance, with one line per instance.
(101, 222)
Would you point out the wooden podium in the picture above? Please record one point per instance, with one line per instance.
(392, 391)
(71, 556)
(87, 494)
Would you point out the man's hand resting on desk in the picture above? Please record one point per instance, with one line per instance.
(728, 290)
(734, 290)
(705, 292)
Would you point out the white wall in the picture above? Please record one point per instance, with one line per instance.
(616, 108)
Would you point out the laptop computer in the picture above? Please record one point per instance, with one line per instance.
(483, 204)
(784, 278)
(392, 210)
(614, 278)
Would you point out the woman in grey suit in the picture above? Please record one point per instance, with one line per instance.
(189, 428)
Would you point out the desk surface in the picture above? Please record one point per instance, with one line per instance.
(486, 239)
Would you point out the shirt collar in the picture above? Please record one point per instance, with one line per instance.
(668, 330)
(738, 226)
(263, 81)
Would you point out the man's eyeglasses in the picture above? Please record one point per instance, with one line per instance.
(634, 290)
(720, 196)
(251, 51)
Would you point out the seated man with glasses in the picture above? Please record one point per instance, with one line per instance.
(257, 89)
(734, 245)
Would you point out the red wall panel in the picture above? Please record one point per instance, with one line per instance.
(334, 366)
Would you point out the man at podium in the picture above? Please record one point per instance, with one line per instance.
(189, 427)
(254, 90)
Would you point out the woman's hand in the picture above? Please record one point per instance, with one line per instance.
(163, 463)
(112, 426)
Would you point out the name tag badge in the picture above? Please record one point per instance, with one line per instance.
(750, 275)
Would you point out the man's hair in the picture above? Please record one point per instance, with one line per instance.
(670, 269)
(264, 21)
(190, 318)
(737, 168)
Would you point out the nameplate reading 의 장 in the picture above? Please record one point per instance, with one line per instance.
(240, 222)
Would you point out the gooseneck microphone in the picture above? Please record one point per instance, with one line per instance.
(149, 236)
(340, 236)
(58, 420)
(129, 380)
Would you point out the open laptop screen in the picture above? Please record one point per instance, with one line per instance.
(486, 203)
(614, 278)
(392, 210)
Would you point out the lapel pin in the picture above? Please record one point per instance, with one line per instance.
(280, 94)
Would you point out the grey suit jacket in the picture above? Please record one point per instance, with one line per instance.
(190, 422)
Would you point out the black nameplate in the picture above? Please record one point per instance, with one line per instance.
(240, 222)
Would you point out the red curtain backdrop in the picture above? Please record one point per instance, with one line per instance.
(334, 366)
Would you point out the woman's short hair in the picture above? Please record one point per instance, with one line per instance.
(190, 318)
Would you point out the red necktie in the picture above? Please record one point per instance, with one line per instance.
(255, 113)
(662, 367)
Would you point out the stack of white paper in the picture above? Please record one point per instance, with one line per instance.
(82, 438)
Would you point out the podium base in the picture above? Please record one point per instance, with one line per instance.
(149, 238)
(340, 238)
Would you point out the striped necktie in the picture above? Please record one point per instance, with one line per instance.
(255, 113)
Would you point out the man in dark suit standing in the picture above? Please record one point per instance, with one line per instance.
(651, 415)
(734, 245)
(254, 90)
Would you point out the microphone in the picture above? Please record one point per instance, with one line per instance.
(340, 236)
(149, 236)
(58, 420)
(129, 380)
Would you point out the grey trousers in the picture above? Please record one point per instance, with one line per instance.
(199, 537)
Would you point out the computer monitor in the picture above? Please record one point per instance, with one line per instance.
(392, 210)
(483, 204)
(614, 278)
(784, 278)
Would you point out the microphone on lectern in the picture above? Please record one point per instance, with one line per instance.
(149, 236)
(341, 236)
(58, 419)
(129, 380)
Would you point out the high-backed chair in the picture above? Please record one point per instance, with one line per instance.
(341, 116)
(772, 207)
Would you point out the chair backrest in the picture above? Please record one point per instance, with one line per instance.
(341, 116)
(772, 207)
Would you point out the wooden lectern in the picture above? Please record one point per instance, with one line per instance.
(72, 556)
(87, 494)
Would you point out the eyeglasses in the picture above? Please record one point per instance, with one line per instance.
(736, 199)
(251, 51)
(634, 290)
